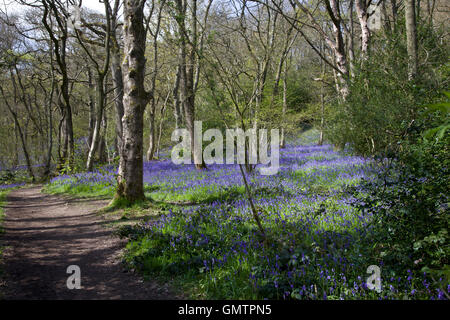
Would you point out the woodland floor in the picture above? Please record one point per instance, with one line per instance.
(44, 234)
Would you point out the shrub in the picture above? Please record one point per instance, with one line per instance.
(409, 201)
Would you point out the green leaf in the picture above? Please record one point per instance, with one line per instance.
(443, 107)
(447, 93)
(442, 130)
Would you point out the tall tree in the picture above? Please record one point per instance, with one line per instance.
(130, 178)
(101, 70)
(54, 10)
(191, 45)
(116, 73)
(335, 42)
(22, 135)
(152, 113)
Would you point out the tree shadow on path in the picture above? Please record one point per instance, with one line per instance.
(44, 234)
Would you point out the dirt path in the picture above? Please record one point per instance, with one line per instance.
(45, 234)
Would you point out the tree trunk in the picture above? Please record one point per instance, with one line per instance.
(91, 109)
(283, 133)
(130, 178)
(24, 148)
(50, 122)
(151, 143)
(68, 145)
(117, 77)
(98, 123)
(103, 154)
(60, 51)
(322, 114)
(361, 11)
(187, 92)
(411, 38)
(339, 49)
(21, 136)
(116, 72)
(152, 113)
(350, 35)
(158, 146)
(176, 100)
(15, 161)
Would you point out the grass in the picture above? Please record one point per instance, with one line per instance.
(81, 191)
(200, 195)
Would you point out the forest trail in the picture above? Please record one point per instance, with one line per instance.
(44, 234)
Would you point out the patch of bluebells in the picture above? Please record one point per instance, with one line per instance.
(319, 242)
(11, 186)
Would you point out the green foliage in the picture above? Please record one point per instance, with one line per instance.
(82, 191)
(409, 202)
(16, 176)
(443, 110)
(299, 95)
(386, 114)
(7, 176)
(382, 108)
